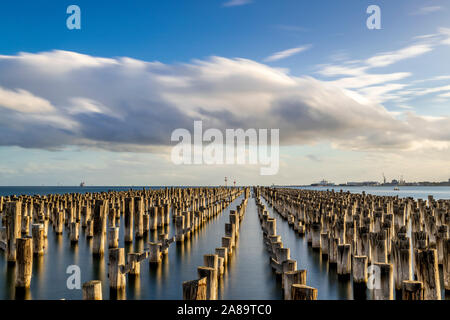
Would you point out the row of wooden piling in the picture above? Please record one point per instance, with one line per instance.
(372, 238)
(293, 281)
(214, 265)
(99, 214)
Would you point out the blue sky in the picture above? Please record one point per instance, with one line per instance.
(398, 78)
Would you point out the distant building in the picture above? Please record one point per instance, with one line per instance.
(364, 183)
(323, 183)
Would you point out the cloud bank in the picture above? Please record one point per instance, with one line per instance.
(52, 100)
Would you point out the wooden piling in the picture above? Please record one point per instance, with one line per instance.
(412, 290)
(24, 263)
(303, 292)
(92, 290)
(37, 231)
(428, 273)
(195, 289)
(290, 278)
(117, 279)
(211, 281)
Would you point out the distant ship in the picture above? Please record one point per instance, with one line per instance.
(82, 185)
(396, 188)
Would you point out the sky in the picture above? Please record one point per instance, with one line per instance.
(99, 104)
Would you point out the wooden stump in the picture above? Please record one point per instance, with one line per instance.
(446, 264)
(37, 231)
(117, 279)
(428, 273)
(343, 260)
(303, 292)
(290, 278)
(24, 263)
(92, 290)
(113, 237)
(360, 269)
(412, 290)
(384, 289)
(211, 281)
(195, 290)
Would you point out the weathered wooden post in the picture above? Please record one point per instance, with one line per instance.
(155, 253)
(179, 226)
(37, 231)
(441, 236)
(128, 218)
(89, 229)
(227, 243)
(412, 290)
(333, 250)
(153, 215)
(360, 269)
(100, 212)
(223, 253)
(14, 216)
(290, 278)
(384, 284)
(446, 264)
(74, 232)
(146, 222)
(59, 223)
(211, 281)
(139, 217)
(164, 237)
(24, 264)
(316, 229)
(117, 279)
(92, 290)
(195, 290)
(303, 292)
(161, 217)
(428, 273)
(134, 263)
(324, 243)
(344, 265)
(113, 237)
(402, 260)
(212, 261)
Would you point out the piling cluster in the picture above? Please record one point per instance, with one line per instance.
(97, 216)
(214, 265)
(293, 281)
(383, 243)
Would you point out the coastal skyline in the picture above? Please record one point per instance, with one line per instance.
(99, 104)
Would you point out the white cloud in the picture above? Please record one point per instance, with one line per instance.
(234, 3)
(446, 33)
(386, 59)
(427, 10)
(128, 105)
(287, 53)
(23, 101)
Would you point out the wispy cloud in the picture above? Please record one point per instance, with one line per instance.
(366, 85)
(287, 53)
(427, 10)
(235, 3)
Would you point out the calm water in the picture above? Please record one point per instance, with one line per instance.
(248, 275)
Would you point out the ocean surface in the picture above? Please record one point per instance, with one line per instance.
(248, 275)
